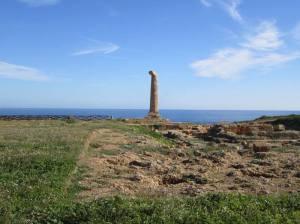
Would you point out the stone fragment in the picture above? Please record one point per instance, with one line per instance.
(261, 162)
(140, 164)
(297, 174)
(230, 173)
(243, 152)
(198, 153)
(279, 127)
(136, 177)
(172, 179)
(195, 178)
(238, 166)
(261, 147)
(261, 155)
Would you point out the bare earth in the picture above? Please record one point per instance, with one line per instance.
(136, 164)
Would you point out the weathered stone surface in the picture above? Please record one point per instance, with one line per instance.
(297, 174)
(172, 179)
(243, 152)
(153, 112)
(136, 177)
(261, 162)
(256, 173)
(195, 178)
(237, 166)
(140, 164)
(261, 147)
(174, 135)
(279, 127)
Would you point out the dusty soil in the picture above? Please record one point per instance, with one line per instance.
(119, 162)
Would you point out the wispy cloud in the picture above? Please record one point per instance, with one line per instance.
(261, 50)
(229, 6)
(267, 37)
(97, 48)
(206, 3)
(12, 71)
(296, 32)
(37, 3)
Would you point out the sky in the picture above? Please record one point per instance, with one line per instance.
(209, 54)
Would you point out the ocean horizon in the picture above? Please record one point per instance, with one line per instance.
(193, 116)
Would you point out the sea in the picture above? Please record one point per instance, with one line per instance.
(193, 116)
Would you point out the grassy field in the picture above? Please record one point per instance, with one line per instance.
(38, 159)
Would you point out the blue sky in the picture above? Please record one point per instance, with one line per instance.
(209, 54)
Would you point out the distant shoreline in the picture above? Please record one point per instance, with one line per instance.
(186, 116)
(54, 117)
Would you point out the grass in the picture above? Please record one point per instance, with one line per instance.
(37, 159)
(156, 135)
(211, 208)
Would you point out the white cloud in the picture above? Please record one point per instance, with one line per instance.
(37, 3)
(259, 51)
(230, 6)
(99, 47)
(206, 3)
(267, 37)
(12, 71)
(226, 63)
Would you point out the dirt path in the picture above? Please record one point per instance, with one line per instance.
(81, 158)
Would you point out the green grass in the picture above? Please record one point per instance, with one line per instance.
(156, 135)
(211, 208)
(36, 159)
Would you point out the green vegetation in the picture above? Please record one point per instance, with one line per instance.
(290, 122)
(38, 158)
(156, 135)
(212, 208)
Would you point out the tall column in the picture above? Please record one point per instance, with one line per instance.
(153, 112)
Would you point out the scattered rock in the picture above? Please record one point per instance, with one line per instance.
(174, 135)
(260, 155)
(297, 174)
(245, 144)
(187, 161)
(195, 178)
(246, 185)
(136, 177)
(140, 164)
(261, 162)
(198, 153)
(172, 179)
(261, 147)
(238, 166)
(180, 153)
(233, 188)
(243, 152)
(263, 192)
(255, 173)
(231, 174)
(191, 191)
(279, 127)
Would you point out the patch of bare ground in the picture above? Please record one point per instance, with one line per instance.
(123, 163)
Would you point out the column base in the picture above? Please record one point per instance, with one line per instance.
(152, 116)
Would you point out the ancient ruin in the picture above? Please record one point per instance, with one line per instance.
(153, 112)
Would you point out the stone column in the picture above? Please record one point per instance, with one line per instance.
(153, 112)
